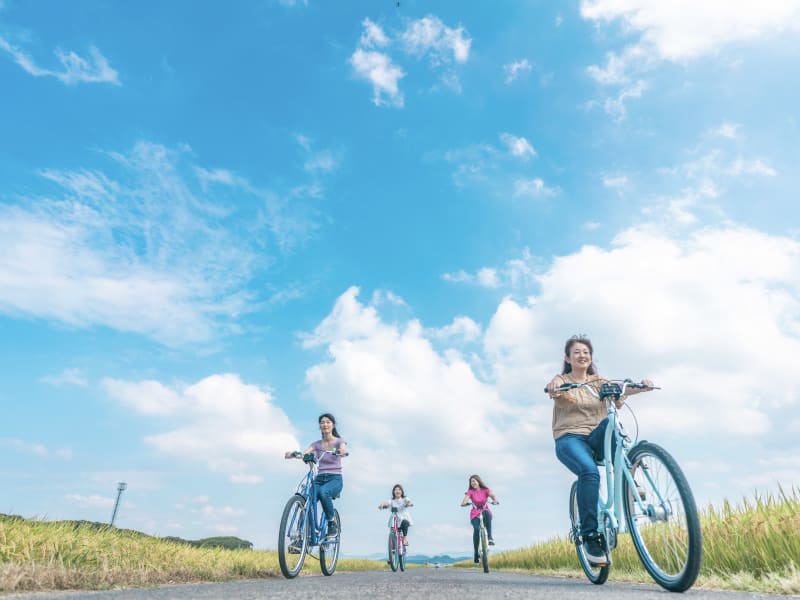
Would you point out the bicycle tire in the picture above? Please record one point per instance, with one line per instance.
(667, 535)
(402, 558)
(484, 549)
(329, 549)
(393, 550)
(596, 574)
(293, 536)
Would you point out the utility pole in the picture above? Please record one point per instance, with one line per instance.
(120, 488)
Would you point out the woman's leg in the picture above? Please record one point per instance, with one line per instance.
(328, 487)
(476, 534)
(576, 454)
(487, 520)
(404, 527)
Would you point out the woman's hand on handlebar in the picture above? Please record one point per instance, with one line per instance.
(293, 454)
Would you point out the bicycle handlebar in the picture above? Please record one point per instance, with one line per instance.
(610, 388)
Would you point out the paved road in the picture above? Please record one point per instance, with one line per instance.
(422, 584)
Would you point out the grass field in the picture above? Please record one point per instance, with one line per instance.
(39, 555)
(753, 546)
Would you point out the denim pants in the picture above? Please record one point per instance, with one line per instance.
(329, 486)
(578, 453)
(476, 529)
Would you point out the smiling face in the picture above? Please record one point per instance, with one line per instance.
(326, 426)
(397, 491)
(579, 356)
(473, 483)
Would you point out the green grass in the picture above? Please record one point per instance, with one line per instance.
(754, 546)
(39, 555)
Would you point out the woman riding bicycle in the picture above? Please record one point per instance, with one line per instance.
(478, 493)
(579, 425)
(329, 451)
(401, 503)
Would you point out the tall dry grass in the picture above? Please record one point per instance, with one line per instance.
(753, 546)
(39, 555)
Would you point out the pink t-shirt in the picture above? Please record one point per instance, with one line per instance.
(479, 497)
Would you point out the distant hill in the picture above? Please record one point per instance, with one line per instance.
(439, 559)
(424, 559)
(227, 542)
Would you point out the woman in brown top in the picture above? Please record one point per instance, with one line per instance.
(579, 426)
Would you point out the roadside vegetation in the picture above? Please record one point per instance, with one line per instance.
(753, 546)
(67, 555)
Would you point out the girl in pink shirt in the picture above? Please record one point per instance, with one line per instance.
(478, 493)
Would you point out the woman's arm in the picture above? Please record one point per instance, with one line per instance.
(342, 450)
(493, 497)
(466, 500)
(409, 502)
(383, 505)
(290, 453)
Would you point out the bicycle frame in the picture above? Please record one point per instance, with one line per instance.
(304, 526)
(611, 508)
(308, 489)
(661, 501)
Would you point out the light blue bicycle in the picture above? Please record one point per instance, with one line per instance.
(645, 483)
(304, 526)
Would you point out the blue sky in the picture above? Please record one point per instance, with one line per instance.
(218, 221)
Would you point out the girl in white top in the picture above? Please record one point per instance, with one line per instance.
(401, 503)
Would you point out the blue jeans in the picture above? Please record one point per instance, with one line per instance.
(329, 486)
(578, 453)
(476, 529)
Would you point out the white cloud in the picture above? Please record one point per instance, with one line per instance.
(532, 188)
(373, 35)
(517, 146)
(679, 31)
(93, 501)
(683, 29)
(615, 181)
(75, 68)
(514, 69)
(67, 377)
(727, 130)
(233, 427)
(375, 368)
(517, 274)
(423, 37)
(378, 69)
(461, 328)
(430, 36)
(143, 251)
(37, 449)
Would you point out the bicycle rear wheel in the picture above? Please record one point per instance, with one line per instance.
(484, 549)
(393, 553)
(666, 527)
(293, 537)
(329, 549)
(595, 574)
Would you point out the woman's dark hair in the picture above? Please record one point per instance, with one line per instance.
(578, 339)
(477, 478)
(334, 433)
(402, 491)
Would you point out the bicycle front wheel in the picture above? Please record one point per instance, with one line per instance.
(293, 537)
(596, 574)
(393, 550)
(329, 549)
(484, 550)
(402, 555)
(662, 518)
